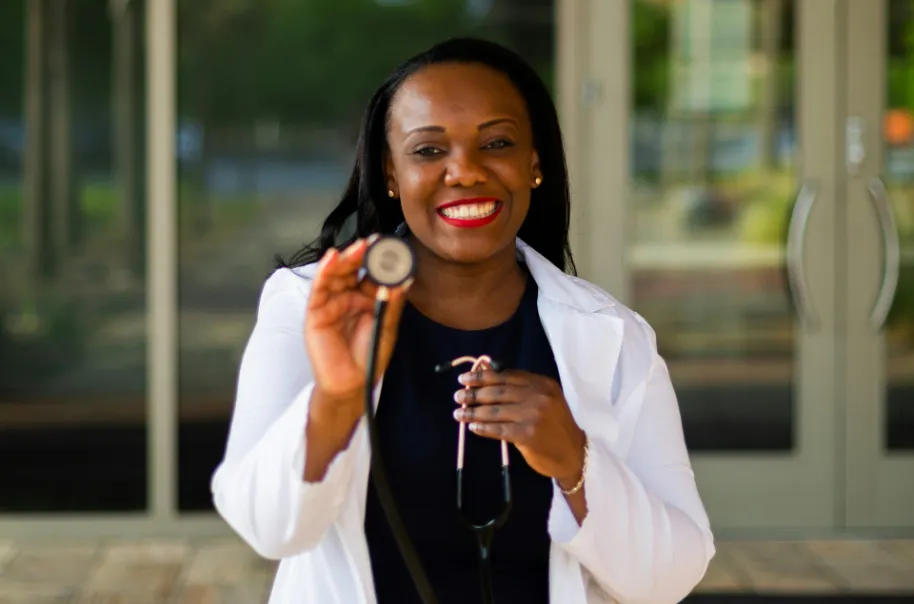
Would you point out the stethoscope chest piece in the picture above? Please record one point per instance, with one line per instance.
(389, 261)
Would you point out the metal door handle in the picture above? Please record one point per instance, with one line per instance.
(891, 250)
(796, 247)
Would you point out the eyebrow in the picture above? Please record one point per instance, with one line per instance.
(481, 126)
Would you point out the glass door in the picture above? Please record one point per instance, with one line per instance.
(720, 230)
(879, 254)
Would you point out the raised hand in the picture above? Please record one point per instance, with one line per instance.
(339, 323)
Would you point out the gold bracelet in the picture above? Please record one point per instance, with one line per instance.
(580, 484)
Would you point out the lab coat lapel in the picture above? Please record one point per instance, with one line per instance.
(586, 347)
(586, 340)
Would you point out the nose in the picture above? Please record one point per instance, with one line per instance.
(464, 170)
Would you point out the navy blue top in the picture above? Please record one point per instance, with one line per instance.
(418, 442)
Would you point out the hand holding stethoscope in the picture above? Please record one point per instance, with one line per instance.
(339, 324)
(530, 412)
(351, 324)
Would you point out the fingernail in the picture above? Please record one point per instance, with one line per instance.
(373, 238)
(458, 396)
(464, 378)
(458, 414)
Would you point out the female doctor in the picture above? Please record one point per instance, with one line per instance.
(461, 153)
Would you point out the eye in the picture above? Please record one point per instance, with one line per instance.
(427, 151)
(501, 143)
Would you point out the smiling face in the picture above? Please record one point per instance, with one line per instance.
(461, 160)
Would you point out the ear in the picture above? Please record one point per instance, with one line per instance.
(390, 177)
(535, 166)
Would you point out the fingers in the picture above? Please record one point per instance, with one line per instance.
(497, 413)
(507, 406)
(369, 288)
(319, 291)
(497, 393)
(515, 433)
(337, 271)
(337, 306)
(345, 264)
(488, 377)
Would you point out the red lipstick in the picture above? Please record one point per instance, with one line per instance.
(474, 221)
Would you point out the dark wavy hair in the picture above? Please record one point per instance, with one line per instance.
(547, 223)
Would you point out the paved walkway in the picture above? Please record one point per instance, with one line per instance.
(227, 572)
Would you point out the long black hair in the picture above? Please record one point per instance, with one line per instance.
(546, 225)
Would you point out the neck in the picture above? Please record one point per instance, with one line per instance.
(467, 296)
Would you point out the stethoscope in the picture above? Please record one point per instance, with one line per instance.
(484, 533)
(389, 262)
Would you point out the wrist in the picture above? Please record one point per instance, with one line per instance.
(336, 410)
(572, 480)
(330, 426)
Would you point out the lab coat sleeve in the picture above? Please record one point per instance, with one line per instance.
(646, 537)
(259, 486)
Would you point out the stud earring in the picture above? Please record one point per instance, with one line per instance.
(390, 193)
(537, 181)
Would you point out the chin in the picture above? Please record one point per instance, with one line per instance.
(465, 245)
(467, 249)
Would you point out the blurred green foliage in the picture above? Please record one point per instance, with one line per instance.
(315, 60)
(319, 61)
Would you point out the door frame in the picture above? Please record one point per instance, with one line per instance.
(879, 489)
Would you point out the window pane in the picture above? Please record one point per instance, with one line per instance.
(72, 283)
(267, 141)
(713, 181)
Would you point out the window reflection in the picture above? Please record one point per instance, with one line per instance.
(72, 283)
(713, 179)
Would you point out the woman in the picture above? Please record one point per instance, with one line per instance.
(461, 153)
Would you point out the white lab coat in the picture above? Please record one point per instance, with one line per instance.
(646, 538)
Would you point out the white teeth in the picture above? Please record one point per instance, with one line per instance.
(470, 211)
